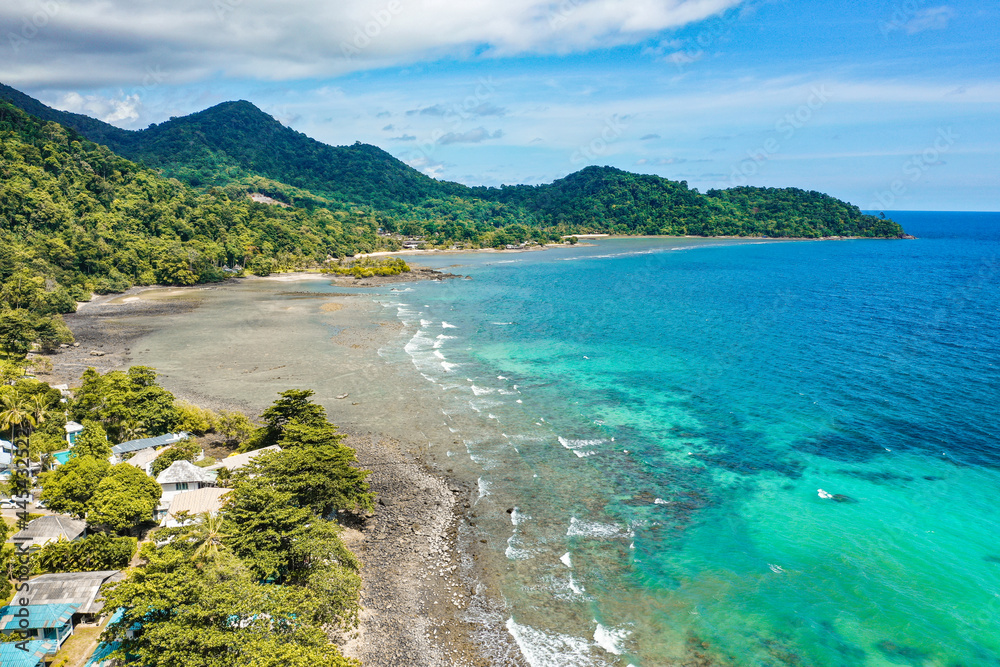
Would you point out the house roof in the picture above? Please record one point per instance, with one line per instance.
(32, 655)
(144, 457)
(144, 443)
(73, 427)
(38, 616)
(79, 588)
(50, 528)
(240, 460)
(198, 501)
(183, 471)
(6, 444)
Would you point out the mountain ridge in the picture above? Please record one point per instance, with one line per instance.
(237, 146)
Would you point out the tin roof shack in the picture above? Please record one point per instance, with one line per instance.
(193, 503)
(34, 653)
(46, 622)
(74, 588)
(237, 461)
(50, 528)
(120, 450)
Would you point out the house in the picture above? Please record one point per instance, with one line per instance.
(120, 450)
(81, 589)
(33, 654)
(239, 460)
(73, 430)
(50, 528)
(45, 622)
(199, 501)
(7, 451)
(181, 476)
(143, 460)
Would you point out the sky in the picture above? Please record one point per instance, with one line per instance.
(888, 104)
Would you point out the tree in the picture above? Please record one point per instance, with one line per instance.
(93, 441)
(206, 536)
(91, 554)
(319, 477)
(294, 407)
(182, 451)
(128, 404)
(125, 498)
(68, 488)
(262, 524)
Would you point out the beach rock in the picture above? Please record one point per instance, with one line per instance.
(96, 353)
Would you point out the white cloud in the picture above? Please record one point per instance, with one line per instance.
(122, 110)
(931, 18)
(116, 42)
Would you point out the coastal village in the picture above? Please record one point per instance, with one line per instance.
(62, 613)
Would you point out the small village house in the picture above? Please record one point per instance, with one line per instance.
(50, 528)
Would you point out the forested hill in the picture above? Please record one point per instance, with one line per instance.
(237, 146)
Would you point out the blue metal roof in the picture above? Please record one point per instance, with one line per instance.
(101, 653)
(145, 443)
(12, 656)
(38, 616)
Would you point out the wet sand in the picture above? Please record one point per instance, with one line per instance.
(425, 600)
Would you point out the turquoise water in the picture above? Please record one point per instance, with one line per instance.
(664, 413)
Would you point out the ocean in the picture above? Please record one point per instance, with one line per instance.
(690, 452)
(730, 452)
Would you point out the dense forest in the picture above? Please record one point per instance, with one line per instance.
(170, 205)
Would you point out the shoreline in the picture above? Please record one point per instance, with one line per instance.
(421, 582)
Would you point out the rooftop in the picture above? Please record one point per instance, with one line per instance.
(31, 655)
(73, 427)
(184, 471)
(38, 616)
(198, 501)
(50, 528)
(144, 457)
(143, 443)
(77, 588)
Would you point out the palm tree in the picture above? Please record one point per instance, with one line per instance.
(14, 412)
(208, 535)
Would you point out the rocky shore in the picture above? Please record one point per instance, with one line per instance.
(423, 601)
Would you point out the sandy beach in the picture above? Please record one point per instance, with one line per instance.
(425, 600)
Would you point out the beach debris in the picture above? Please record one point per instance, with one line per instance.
(343, 396)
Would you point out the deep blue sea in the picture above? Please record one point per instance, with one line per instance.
(732, 453)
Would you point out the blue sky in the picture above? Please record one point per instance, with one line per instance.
(888, 104)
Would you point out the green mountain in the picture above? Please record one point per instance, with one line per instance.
(236, 146)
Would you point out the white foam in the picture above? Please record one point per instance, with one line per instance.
(566, 559)
(583, 454)
(425, 323)
(448, 366)
(484, 486)
(576, 444)
(517, 517)
(514, 552)
(550, 649)
(609, 639)
(575, 587)
(578, 528)
(445, 325)
(661, 501)
(438, 354)
(481, 391)
(502, 323)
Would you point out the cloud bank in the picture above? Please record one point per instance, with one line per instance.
(99, 43)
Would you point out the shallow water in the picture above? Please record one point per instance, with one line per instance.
(663, 415)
